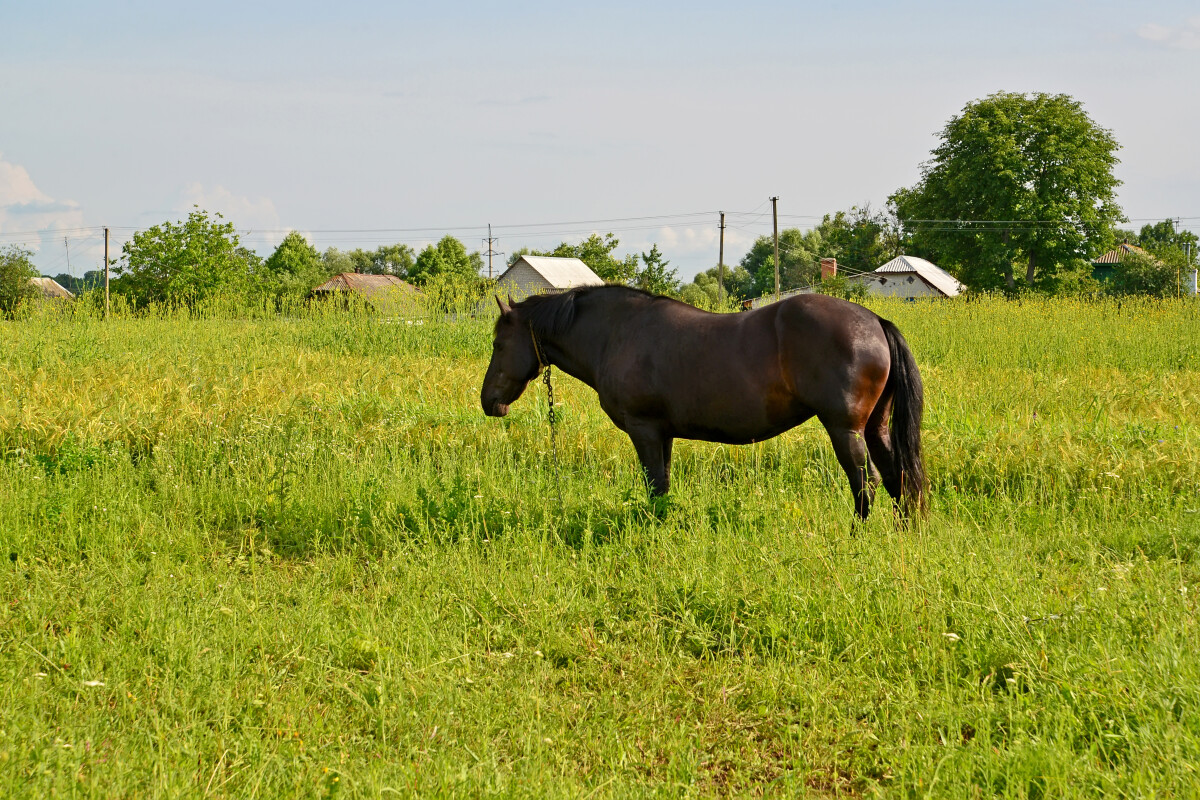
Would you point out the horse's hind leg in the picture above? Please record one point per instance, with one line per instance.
(879, 444)
(851, 448)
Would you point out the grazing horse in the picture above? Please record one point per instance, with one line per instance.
(665, 370)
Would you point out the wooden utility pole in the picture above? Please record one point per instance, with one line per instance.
(775, 219)
(721, 265)
(106, 272)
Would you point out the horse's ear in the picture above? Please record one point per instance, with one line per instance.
(510, 300)
(504, 307)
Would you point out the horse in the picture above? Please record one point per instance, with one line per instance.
(665, 370)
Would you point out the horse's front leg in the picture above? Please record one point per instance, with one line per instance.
(654, 451)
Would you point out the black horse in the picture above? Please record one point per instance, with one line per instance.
(665, 370)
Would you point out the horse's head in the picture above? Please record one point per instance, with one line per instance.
(514, 362)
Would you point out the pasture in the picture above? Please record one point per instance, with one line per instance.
(246, 555)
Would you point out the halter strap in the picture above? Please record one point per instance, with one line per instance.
(537, 349)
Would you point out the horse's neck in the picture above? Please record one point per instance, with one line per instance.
(577, 350)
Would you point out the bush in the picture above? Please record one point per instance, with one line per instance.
(16, 270)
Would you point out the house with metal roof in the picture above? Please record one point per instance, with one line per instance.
(51, 289)
(910, 277)
(387, 294)
(1104, 266)
(530, 275)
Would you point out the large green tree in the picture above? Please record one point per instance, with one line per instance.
(294, 269)
(449, 257)
(1020, 188)
(16, 271)
(185, 261)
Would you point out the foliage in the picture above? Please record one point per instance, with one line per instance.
(92, 279)
(185, 262)
(799, 259)
(1141, 273)
(1036, 172)
(449, 257)
(702, 293)
(860, 239)
(655, 277)
(16, 270)
(294, 269)
(1162, 237)
(455, 293)
(841, 286)
(253, 557)
(388, 259)
(739, 284)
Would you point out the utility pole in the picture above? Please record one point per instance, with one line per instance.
(67, 245)
(491, 250)
(1188, 251)
(1178, 283)
(106, 272)
(721, 265)
(775, 219)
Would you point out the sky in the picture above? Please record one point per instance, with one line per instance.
(363, 123)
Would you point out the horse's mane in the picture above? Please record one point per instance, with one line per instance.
(552, 314)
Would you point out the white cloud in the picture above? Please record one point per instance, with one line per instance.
(26, 208)
(1185, 36)
(35, 221)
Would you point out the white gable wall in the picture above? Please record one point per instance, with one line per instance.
(522, 281)
(898, 284)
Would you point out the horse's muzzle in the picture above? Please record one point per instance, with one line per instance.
(496, 409)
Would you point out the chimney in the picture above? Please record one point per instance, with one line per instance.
(828, 268)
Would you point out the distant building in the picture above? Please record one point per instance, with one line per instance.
(50, 289)
(1105, 266)
(387, 294)
(910, 277)
(530, 275)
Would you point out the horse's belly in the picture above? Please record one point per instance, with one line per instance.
(733, 417)
(737, 433)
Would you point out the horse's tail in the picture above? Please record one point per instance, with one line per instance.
(908, 406)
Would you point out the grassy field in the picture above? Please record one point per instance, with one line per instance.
(291, 557)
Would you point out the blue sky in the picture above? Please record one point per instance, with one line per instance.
(352, 121)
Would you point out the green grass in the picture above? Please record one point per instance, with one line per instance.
(291, 557)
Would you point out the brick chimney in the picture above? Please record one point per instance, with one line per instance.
(828, 268)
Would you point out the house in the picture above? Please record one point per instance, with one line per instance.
(1105, 266)
(50, 289)
(910, 277)
(530, 275)
(387, 294)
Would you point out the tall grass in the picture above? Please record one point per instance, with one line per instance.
(286, 554)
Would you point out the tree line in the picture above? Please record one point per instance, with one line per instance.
(1019, 195)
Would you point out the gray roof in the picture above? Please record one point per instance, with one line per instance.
(386, 293)
(560, 273)
(1115, 256)
(934, 275)
(51, 288)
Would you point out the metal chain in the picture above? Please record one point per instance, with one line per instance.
(550, 415)
(553, 438)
